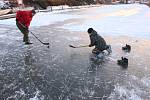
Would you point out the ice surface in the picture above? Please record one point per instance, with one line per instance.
(36, 72)
(123, 93)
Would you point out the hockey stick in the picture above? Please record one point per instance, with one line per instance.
(34, 35)
(78, 46)
(38, 38)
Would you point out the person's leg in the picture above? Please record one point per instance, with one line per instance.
(25, 33)
(108, 49)
(26, 38)
(20, 27)
(95, 51)
(23, 38)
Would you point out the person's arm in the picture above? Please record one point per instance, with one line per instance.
(18, 16)
(92, 41)
(28, 19)
(27, 24)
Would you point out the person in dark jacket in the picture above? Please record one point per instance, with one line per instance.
(98, 42)
(23, 19)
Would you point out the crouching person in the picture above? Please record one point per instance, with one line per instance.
(98, 42)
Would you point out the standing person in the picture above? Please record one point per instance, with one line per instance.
(23, 19)
(98, 42)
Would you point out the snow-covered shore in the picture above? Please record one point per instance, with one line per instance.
(131, 19)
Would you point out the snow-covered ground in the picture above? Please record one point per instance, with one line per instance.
(62, 73)
(132, 19)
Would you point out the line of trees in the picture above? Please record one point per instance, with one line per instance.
(44, 3)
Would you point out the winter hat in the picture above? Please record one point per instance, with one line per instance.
(90, 30)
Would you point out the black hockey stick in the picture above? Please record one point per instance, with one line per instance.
(78, 46)
(34, 35)
(38, 38)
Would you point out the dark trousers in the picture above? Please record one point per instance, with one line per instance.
(96, 51)
(24, 31)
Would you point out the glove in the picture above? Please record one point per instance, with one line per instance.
(90, 45)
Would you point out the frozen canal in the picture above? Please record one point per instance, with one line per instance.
(36, 72)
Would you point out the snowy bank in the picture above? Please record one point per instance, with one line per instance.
(131, 19)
